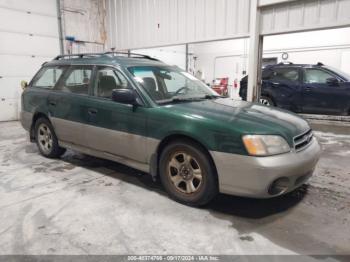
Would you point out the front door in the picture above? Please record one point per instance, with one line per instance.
(320, 97)
(115, 128)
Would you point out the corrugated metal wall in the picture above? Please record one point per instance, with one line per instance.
(84, 20)
(305, 15)
(148, 23)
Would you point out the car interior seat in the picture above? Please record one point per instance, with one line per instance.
(150, 85)
(106, 85)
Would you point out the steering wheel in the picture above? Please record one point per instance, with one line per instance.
(181, 89)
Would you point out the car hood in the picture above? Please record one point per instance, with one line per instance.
(243, 117)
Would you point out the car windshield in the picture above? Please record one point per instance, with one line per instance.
(169, 84)
(339, 72)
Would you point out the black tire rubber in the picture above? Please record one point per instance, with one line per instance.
(56, 150)
(209, 188)
(271, 102)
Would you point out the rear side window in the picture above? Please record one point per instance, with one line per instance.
(285, 74)
(77, 80)
(48, 77)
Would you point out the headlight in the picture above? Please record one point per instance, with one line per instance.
(265, 145)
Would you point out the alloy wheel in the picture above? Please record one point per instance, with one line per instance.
(265, 102)
(185, 173)
(45, 139)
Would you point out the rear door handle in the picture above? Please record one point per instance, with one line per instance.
(307, 89)
(92, 111)
(52, 103)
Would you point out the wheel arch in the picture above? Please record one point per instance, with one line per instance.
(36, 116)
(172, 138)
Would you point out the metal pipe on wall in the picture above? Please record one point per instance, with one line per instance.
(60, 30)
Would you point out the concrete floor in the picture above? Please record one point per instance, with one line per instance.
(83, 205)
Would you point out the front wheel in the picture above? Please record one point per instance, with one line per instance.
(46, 139)
(266, 101)
(187, 173)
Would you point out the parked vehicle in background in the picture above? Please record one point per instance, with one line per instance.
(159, 119)
(220, 86)
(309, 89)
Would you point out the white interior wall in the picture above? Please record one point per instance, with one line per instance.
(331, 47)
(173, 55)
(29, 37)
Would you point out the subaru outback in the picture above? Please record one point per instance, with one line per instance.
(138, 111)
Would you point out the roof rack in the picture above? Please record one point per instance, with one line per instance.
(89, 55)
(133, 55)
(77, 55)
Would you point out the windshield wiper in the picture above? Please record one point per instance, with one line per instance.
(180, 99)
(211, 96)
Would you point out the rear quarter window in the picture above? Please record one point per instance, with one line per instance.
(48, 77)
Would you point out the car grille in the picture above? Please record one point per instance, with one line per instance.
(302, 141)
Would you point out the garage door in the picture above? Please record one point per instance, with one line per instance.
(28, 37)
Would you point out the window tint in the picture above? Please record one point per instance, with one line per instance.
(285, 74)
(48, 77)
(312, 75)
(107, 80)
(77, 81)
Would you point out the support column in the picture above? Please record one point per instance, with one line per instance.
(255, 53)
(60, 30)
(187, 65)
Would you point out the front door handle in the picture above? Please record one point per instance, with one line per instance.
(92, 111)
(307, 89)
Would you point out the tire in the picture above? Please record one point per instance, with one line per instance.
(266, 101)
(46, 139)
(196, 178)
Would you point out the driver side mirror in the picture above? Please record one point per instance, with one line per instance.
(24, 84)
(125, 96)
(332, 81)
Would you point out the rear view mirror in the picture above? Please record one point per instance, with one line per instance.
(332, 81)
(24, 84)
(124, 96)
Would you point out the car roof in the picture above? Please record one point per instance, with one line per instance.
(281, 65)
(109, 58)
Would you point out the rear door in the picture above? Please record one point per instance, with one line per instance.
(282, 84)
(319, 97)
(68, 104)
(115, 128)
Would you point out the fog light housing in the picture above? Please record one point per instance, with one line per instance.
(279, 186)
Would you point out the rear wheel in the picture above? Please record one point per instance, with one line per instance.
(266, 101)
(46, 139)
(187, 174)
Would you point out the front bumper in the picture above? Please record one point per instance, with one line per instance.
(252, 176)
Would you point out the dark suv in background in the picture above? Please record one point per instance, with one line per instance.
(310, 89)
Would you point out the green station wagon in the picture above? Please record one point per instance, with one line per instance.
(140, 112)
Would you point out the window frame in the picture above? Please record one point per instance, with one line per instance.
(40, 73)
(94, 82)
(119, 70)
(66, 75)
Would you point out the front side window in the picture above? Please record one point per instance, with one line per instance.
(48, 77)
(169, 83)
(107, 80)
(313, 76)
(77, 81)
(285, 74)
